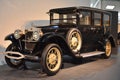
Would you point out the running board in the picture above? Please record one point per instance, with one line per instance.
(89, 54)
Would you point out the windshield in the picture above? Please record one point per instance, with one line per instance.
(63, 18)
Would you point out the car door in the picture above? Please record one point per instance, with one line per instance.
(97, 29)
(91, 29)
(85, 25)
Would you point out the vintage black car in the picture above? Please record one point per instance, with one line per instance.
(79, 32)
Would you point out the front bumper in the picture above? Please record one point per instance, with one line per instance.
(19, 56)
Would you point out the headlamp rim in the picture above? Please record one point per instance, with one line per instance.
(38, 35)
(18, 33)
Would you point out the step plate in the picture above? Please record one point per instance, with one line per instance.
(92, 53)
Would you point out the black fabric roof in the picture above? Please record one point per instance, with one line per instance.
(64, 10)
(73, 9)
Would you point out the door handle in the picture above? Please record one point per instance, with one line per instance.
(93, 28)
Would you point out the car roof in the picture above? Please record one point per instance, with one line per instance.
(74, 9)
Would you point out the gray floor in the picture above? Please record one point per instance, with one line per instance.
(2, 61)
(92, 68)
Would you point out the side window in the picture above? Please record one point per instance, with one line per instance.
(85, 18)
(97, 19)
(56, 16)
(106, 20)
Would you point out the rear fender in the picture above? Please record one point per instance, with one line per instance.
(111, 39)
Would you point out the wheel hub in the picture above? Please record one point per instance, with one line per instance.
(74, 41)
(52, 59)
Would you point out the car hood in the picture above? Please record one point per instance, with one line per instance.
(60, 28)
(56, 28)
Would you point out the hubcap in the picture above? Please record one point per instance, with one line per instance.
(53, 59)
(108, 48)
(75, 41)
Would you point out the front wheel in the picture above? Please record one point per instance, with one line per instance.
(12, 62)
(51, 59)
(107, 49)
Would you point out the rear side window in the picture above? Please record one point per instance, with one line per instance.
(85, 18)
(97, 19)
(106, 20)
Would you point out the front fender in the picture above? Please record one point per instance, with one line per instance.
(46, 37)
(53, 38)
(10, 37)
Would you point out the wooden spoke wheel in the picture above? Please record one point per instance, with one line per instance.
(108, 49)
(74, 40)
(12, 62)
(52, 59)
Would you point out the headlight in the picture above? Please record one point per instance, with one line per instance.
(17, 34)
(36, 35)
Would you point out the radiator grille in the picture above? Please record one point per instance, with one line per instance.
(29, 43)
(28, 36)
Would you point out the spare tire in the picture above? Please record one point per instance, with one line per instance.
(74, 40)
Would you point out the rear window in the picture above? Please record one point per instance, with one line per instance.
(106, 20)
(97, 19)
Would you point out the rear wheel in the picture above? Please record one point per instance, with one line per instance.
(107, 49)
(12, 62)
(51, 59)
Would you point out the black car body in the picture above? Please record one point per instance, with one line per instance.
(76, 31)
